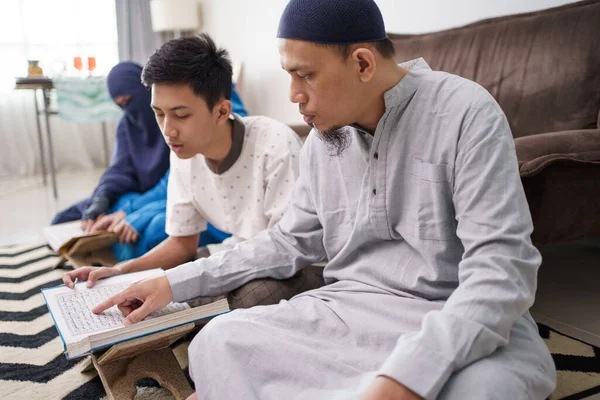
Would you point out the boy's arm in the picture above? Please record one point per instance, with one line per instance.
(183, 225)
(172, 252)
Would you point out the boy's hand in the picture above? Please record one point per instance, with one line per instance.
(89, 274)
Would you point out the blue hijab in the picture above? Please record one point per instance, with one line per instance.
(141, 156)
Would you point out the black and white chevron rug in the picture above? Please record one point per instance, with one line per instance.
(32, 365)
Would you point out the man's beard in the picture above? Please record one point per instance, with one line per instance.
(337, 139)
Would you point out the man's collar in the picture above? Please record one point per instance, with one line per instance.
(408, 85)
(404, 89)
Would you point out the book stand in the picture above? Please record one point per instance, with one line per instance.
(124, 364)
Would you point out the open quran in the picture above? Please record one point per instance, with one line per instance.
(83, 332)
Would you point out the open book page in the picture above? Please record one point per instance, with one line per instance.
(57, 235)
(71, 308)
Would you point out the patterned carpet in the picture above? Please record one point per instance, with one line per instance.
(33, 367)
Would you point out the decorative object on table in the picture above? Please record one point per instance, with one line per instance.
(34, 69)
(91, 64)
(78, 63)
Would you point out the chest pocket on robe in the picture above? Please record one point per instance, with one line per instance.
(434, 207)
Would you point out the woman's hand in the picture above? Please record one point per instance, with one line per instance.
(107, 222)
(126, 232)
(86, 224)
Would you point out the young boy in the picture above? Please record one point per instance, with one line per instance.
(236, 173)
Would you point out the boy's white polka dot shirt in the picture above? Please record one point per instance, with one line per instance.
(250, 191)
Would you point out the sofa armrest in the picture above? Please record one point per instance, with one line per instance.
(536, 152)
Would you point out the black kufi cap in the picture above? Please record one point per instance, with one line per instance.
(332, 21)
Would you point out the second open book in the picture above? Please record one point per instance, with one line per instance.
(62, 237)
(83, 332)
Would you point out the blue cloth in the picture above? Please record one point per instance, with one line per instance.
(332, 21)
(146, 213)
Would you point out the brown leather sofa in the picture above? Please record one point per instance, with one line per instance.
(543, 68)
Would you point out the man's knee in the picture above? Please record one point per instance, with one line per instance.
(214, 338)
(521, 370)
(485, 380)
(217, 334)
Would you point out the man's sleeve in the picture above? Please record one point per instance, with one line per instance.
(182, 217)
(497, 274)
(227, 244)
(294, 243)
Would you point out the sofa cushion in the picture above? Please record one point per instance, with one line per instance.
(541, 67)
(538, 151)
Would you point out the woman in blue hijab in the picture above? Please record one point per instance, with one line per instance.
(141, 156)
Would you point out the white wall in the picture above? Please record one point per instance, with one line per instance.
(247, 28)
(402, 16)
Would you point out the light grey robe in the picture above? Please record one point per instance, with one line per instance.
(431, 269)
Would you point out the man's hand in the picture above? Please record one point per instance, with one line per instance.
(107, 222)
(140, 299)
(89, 274)
(384, 388)
(126, 232)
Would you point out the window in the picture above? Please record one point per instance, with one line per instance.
(54, 32)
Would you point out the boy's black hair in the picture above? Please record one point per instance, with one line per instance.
(195, 61)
